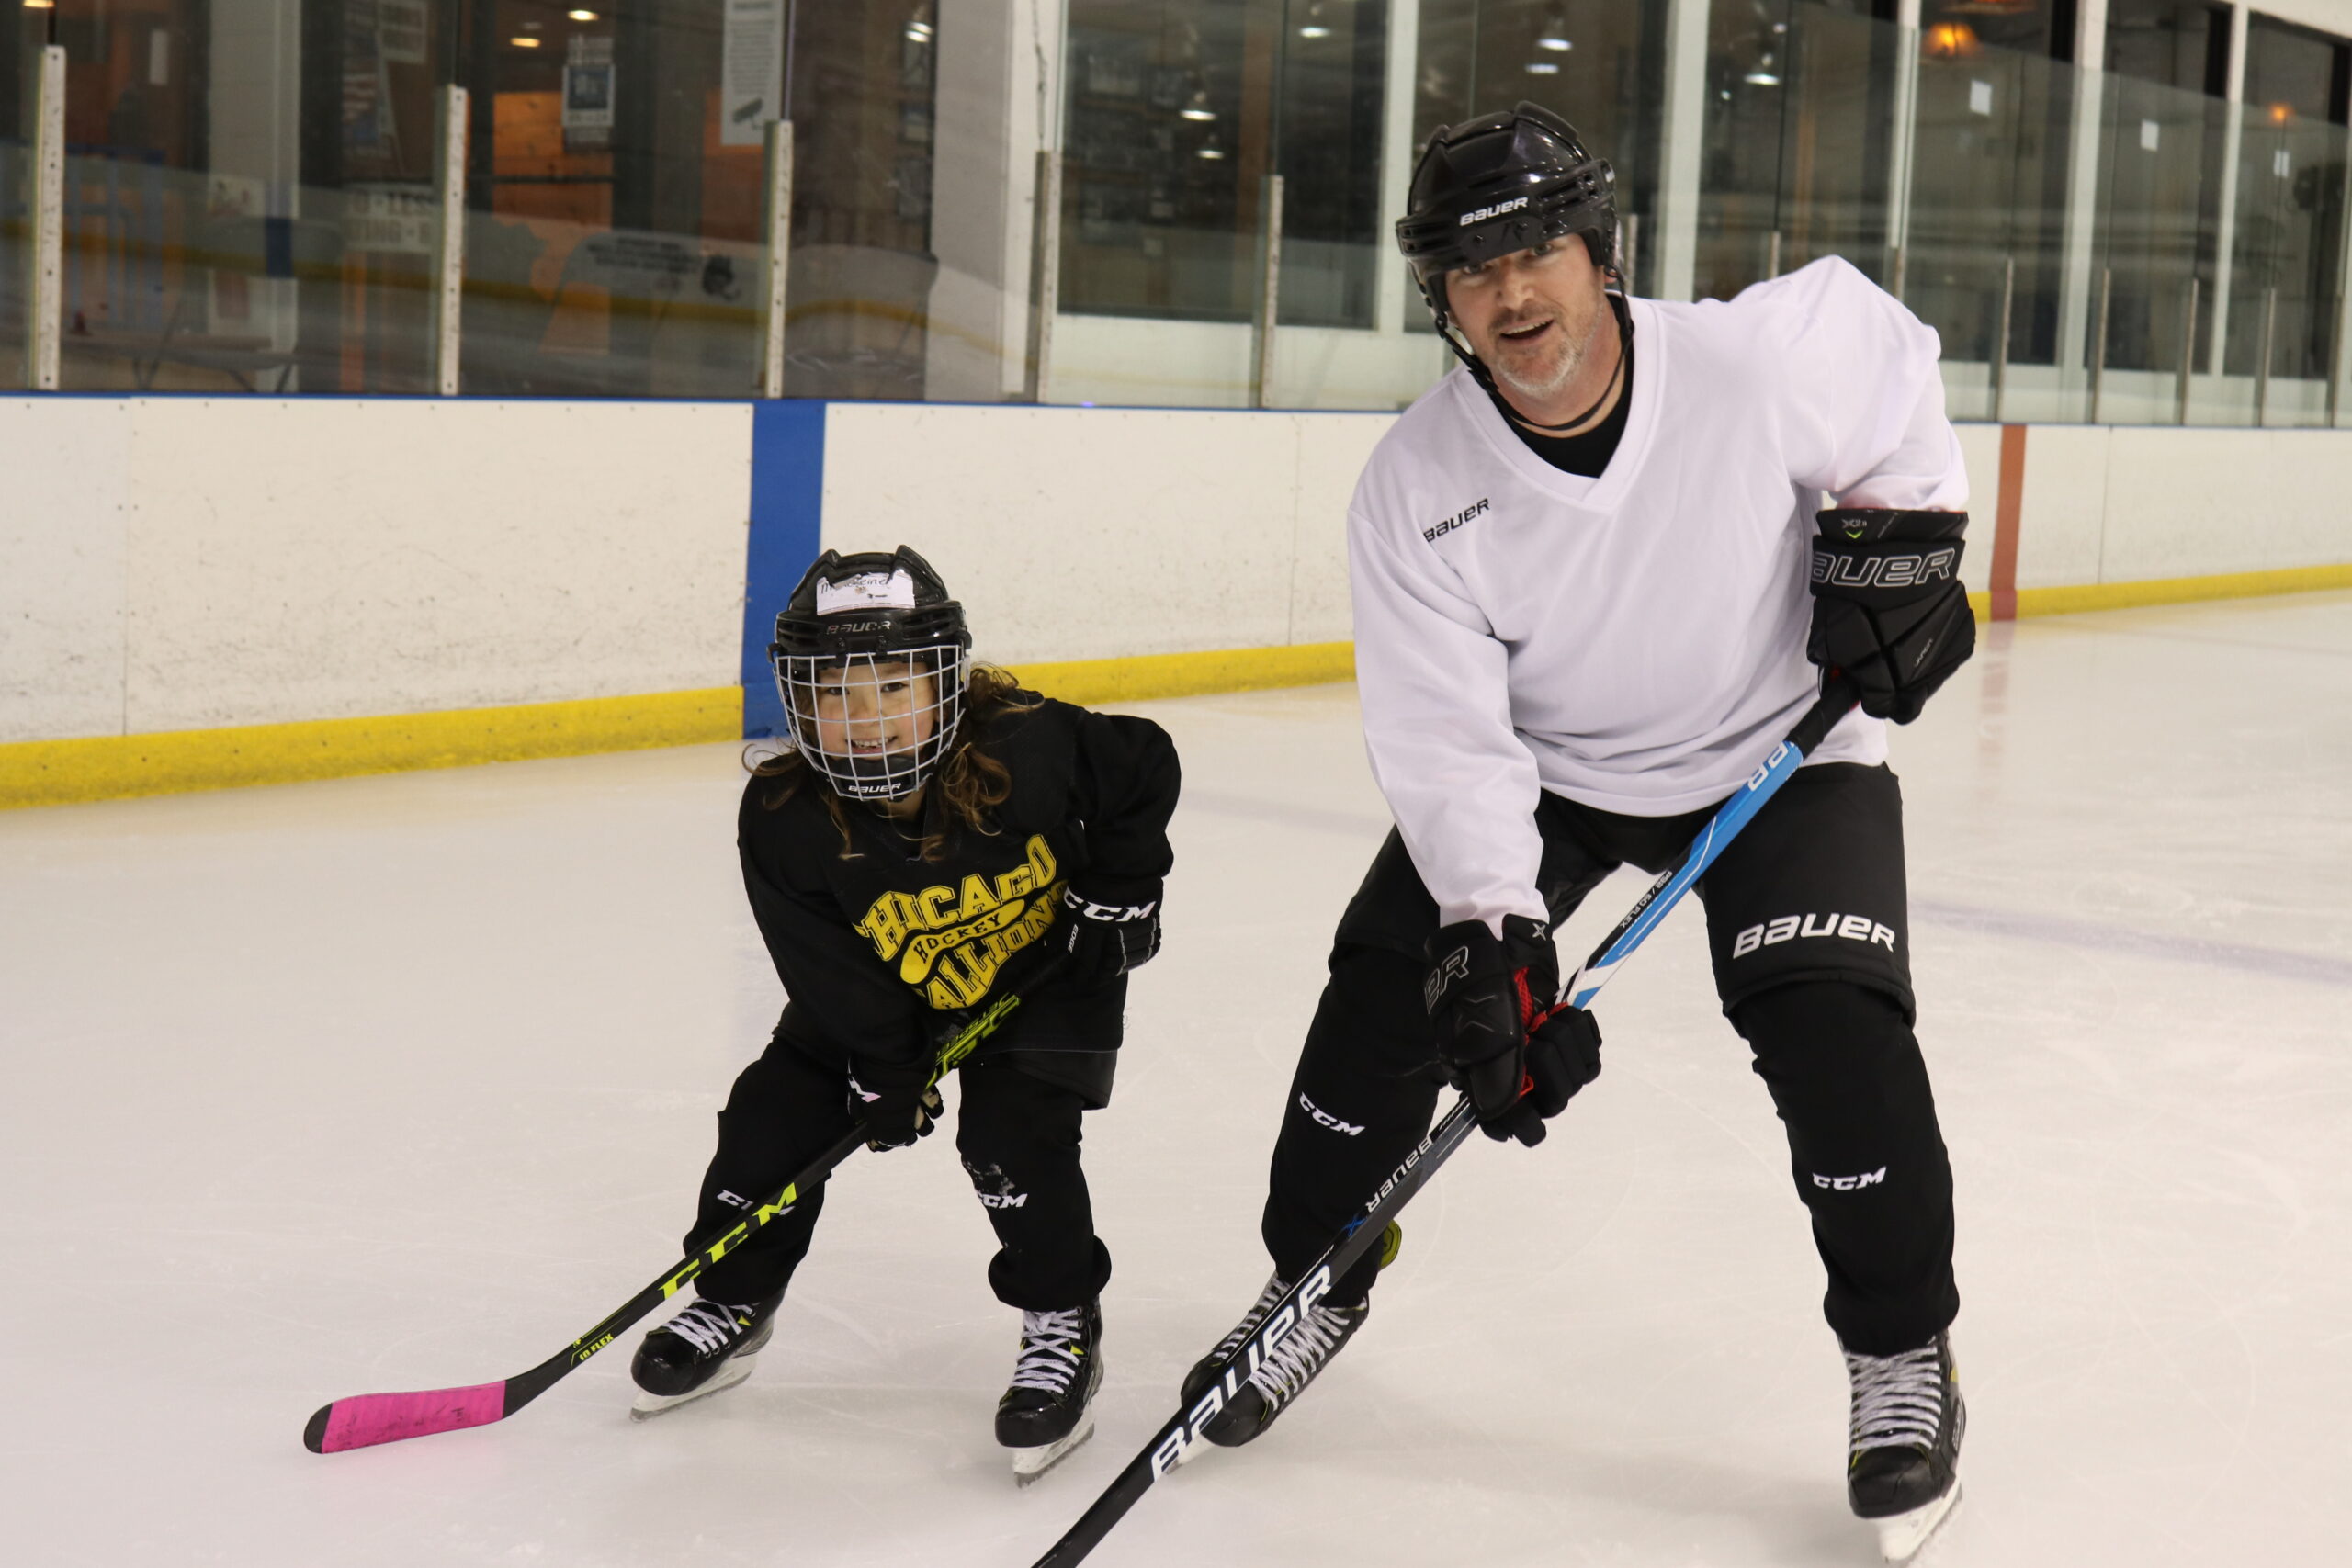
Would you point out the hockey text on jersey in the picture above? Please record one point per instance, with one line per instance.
(1788, 928)
(949, 940)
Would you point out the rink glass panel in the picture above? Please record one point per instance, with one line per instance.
(2290, 207)
(1175, 114)
(2159, 194)
(1799, 136)
(251, 207)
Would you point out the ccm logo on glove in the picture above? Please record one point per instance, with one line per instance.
(1105, 941)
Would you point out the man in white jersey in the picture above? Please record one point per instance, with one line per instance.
(1591, 596)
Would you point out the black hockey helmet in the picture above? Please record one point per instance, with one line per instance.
(1501, 182)
(850, 615)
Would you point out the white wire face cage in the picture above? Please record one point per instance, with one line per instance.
(874, 725)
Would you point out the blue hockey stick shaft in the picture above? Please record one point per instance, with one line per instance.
(1729, 818)
(1166, 1449)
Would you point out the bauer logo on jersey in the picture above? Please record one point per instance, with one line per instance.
(949, 940)
(1790, 928)
(1476, 508)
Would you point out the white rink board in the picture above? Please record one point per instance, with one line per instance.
(62, 517)
(172, 563)
(438, 1096)
(1074, 534)
(301, 559)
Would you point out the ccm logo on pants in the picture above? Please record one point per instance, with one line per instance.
(1788, 928)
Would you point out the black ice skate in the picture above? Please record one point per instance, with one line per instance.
(1043, 1413)
(708, 1346)
(1902, 1472)
(1283, 1375)
(1232, 1428)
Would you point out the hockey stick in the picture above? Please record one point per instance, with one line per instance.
(368, 1418)
(1168, 1446)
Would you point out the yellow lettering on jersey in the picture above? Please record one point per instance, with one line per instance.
(950, 941)
(977, 899)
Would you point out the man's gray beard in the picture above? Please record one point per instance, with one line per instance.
(1571, 361)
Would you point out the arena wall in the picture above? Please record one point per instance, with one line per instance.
(199, 591)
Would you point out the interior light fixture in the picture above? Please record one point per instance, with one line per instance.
(1763, 75)
(1198, 109)
(2281, 113)
(581, 16)
(1542, 68)
(1949, 40)
(1554, 35)
(1313, 26)
(40, 5)
(523, 41)
(917, 32)
(1212, 153)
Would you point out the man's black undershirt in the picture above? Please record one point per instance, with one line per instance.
(1587, 454)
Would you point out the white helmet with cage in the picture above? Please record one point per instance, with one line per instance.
(872, 657)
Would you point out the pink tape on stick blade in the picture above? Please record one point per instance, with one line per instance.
(369, 1418)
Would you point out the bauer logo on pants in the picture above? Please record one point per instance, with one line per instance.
(1790, 928)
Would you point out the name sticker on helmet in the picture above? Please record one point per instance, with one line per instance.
(867, 591)
(1514, 205)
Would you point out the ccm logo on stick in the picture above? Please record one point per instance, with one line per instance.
(1849, 1183)
(1788, 928)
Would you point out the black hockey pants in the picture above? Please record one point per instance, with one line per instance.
(1805, 918)
(1019, 1138)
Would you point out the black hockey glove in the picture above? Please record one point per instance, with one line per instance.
(1888, 608)
(1105, 941)
(1501, 1039)
(896, 1112)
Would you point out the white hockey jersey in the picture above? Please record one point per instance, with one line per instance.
(1634, 642)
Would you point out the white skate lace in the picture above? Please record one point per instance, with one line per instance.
(1049, 1354)
(709, 1326)
(1897, 1399)
(1301, 1354)
(1252, 1318)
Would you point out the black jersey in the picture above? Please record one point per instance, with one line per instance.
(881, 951)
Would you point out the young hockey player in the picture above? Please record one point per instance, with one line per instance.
(1582, 620)
(935, 838)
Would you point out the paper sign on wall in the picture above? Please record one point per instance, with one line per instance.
(751, 72)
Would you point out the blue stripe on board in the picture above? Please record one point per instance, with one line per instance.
(787, 513)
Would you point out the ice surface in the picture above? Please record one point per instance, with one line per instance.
(400, 1083)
